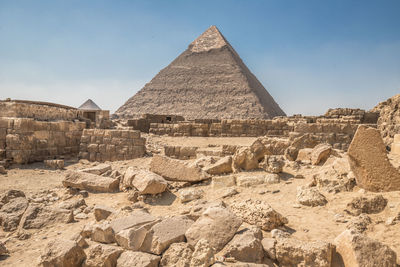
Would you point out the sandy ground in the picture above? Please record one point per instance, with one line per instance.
(306, 223)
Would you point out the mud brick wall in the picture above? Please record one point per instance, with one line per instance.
(25, 140)
(111, 145)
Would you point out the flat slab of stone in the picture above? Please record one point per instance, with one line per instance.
(91, 182)
(177, 170)
(134, 219)
(98, 169)
(369, 162)
(134, 258)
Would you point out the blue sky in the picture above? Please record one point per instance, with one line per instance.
(310, 55)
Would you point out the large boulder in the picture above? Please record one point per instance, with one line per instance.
(11, 212)
(90, 182)
(101, 255)
(144, 181)
(367, 204)
(62, 253)
(300, 142)
(272, 164)
(248, 158)
(359, 250)
(135, 258)
(293, 252)
(177, 170)
(370, 163)
(310, 196)
(217, 225)
(178, 254)
(163, 234)
(260, 213)
(320, 153)
(246, 246)
(223, 165)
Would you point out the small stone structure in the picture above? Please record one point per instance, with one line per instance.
(99, 118)
(143, 124)
(110, 145)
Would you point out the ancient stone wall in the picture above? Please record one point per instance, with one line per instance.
(24, 140)
(38, 110)
(110, 145)
(143, 124)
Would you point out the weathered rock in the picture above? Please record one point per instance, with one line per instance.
(103, 233)
(320, 153)
(335, 176)
(217, 225)
(102, 212)
(147, 182)
(98, 169)
(260, 213)
(369, 205)
(91, 182)
(223, 181)
(9, 195)
(272, 178)
(72, 204)
(37, 216)
(304, 141)
(310, 196)
(224, 165)
(268, 245)
(304, 155)
(250, 179)
(54, 163)
(102, 256)
(189, 194)
(163, 234)
(278, 233)
(3, 170)
(11, 212)
(293, 252)
(178, 254)
(359, 250)
(3, 249)
(177, 170)
(135, 218)
(134, 237)
(62, 253)
(248, 158)
(203, 254)
(133, 258)
(369, 162)
(246, 246)
(272, 164)
(359, 223)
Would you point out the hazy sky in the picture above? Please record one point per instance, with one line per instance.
(310, 55)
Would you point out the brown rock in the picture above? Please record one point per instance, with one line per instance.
(90, 182)
(168, 231)
(98, 169)
(54, 163)
(177, 170)
(203, 254)
(103, 233)
(3, 249)
(134, 219)
(268, 245)
(369, 162)
(248, 158)
(310, 196)
(217, 225)
(11, 212)
(272, 164)
(178, 254)
(223, 181)
(102, 212)
(147, 182)
(102, 256)
(62, 253)
(369, 205)
(224, 165)
(133, 258)
(190, 193)
(320, 153)
(37, 216)
(246, 246)
(293, 252)
(304, 155)
(260, 213)
(134, 238)
(361, 251)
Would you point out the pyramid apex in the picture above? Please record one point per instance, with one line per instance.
(212, 38)
(89, 105)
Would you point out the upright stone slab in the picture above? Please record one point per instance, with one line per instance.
(369, 162)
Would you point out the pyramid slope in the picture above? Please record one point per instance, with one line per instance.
(89, 105)
(208, 80)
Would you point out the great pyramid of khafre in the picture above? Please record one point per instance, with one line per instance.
(207, 81)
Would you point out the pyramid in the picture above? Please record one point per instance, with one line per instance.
(89, 105)
(207, 81)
